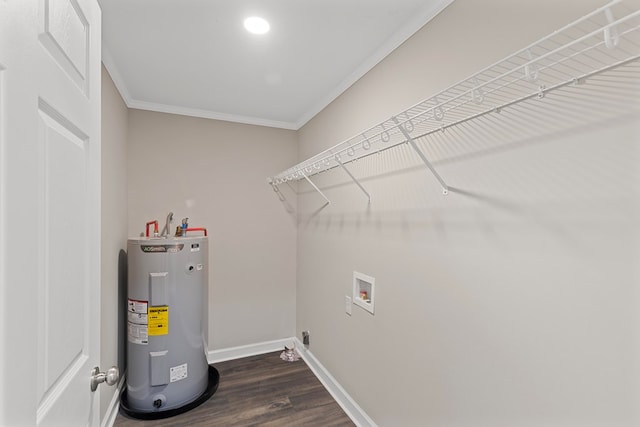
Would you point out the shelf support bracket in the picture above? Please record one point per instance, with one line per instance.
(314, 186)
(445, 188)
(353, 178)
(276, 190)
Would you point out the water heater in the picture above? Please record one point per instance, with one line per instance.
(167, 369)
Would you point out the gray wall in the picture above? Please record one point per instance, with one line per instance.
(510, 302)
(214, 173)
(114, 232)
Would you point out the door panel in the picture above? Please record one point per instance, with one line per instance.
(65, 35)
(62, 293)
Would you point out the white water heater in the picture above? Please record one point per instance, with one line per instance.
(167, 369)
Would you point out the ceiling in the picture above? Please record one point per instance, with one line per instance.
(194, 57)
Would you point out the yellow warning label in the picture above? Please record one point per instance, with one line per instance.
(158, 320)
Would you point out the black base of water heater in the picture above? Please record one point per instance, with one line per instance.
(212, 386)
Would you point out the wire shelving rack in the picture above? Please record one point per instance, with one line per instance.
(604, 40)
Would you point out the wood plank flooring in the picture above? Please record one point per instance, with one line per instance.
(260, 390)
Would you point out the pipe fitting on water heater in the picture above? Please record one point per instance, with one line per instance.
(181, 230)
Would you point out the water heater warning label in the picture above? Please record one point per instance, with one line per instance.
(137, 334)
(158, 320)
(137, 306)
(137, 329)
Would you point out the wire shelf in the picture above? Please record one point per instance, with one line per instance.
(604, 40)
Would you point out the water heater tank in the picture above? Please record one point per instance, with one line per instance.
(166, 323)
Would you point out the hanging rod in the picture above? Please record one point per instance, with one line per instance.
(607, 38)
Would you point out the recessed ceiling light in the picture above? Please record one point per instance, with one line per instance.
(256, 25)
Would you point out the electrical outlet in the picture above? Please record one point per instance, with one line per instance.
(305, 337)
(347, 301)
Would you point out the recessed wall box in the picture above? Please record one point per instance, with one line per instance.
(364, 291)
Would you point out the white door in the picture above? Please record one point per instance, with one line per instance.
(49, 211)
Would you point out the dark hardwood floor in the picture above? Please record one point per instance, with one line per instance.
(260, 390)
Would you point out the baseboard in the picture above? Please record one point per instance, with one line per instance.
(348, 405)
(247, 350)
(114, 406)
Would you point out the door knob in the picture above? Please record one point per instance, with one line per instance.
(110, 377)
